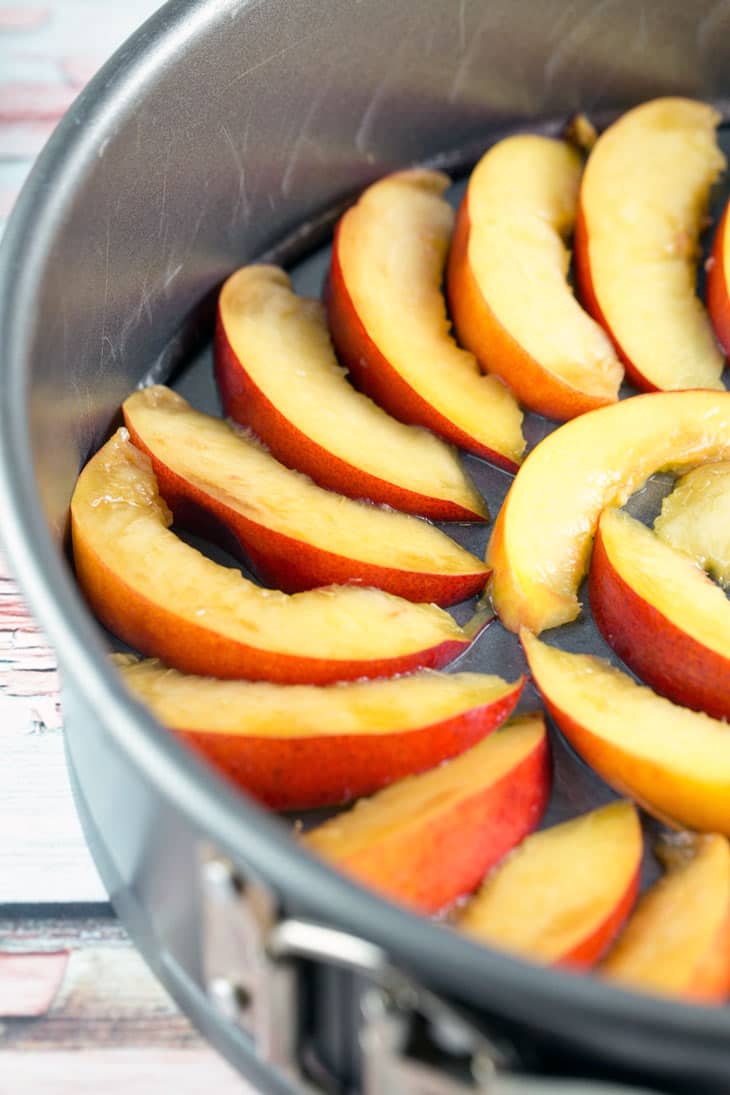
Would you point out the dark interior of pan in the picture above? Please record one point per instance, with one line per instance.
(223, 132)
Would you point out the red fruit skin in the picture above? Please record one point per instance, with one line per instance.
(586, 953)
(589, 300)
(718, 301)
(285, 563)
(304, 773)
(478, 329)
(244, 402)
(194, 648)
(666, 658)
(448, 858)
(373, 373)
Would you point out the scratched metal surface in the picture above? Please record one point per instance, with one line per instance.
(70, 978)
(173, 196)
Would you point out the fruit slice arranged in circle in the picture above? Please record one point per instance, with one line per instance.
(429, 839)
(540, 545)
(718, 281)
(295, 534)
(301, 746)
(509, 295)
(563, 894)
(168, 600)
(277, 373)
(661, 614)
(672, 761)
(695, 518)
(643, 202)
(678, 940)
(389, 325)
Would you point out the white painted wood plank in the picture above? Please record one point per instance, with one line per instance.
(42, 850)
(119, 1072)
(43, 853)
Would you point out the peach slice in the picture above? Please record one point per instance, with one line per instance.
(541, 541)
(563, 894)
(389, 325)
(167, 599)
(509, 295)
(429, 839)
(678, 940)
(695, 518)
(295, 534)
(718, 282)
(643, 203)
(300, 746)
(661, 614)
(672, 761)
(277, 373)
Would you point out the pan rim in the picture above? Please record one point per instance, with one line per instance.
(522, 991)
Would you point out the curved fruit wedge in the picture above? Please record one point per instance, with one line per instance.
(678, 940)
(695, 518)
(563, 894)
(661, 614)
(672, 761)
(295, 534)
(301, 746)
(540, 545)
(430, 839)
(718, 281)
(509, 295)
(388, 319)
(167, 599)
(643, 202)
(277, 373)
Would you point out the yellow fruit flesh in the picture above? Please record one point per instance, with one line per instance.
(667, 939)
(644, 198)
(411, 802)
(559, 886)
(283, 344)
(117, 509)
(396, 239)
(672, 760)
(523, 196)
(232, 468)
(695, 518)
(547, 522)
(304, 711)
(667, 580)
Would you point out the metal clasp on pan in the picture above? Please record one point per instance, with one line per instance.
(412, 1042)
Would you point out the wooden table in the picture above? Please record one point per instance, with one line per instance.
(70, 979)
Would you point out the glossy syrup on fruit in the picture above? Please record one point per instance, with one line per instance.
(306, 254)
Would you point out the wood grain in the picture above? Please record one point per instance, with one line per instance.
(29, 982)
(66, 984)
(119, 1072)
(105, 1002)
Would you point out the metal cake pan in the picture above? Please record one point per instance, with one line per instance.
(221, 129)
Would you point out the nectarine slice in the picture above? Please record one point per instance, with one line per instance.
(563, 894)
(295, 534)
(389, 325)
(277, 373)
(695, 518)
(718, 282)
(508, 289)
(678, 940)
(167, 599)
(643, 203)
(429, 839)
(661, 614)
(674, 762)
(541, 541)
(300, 746)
